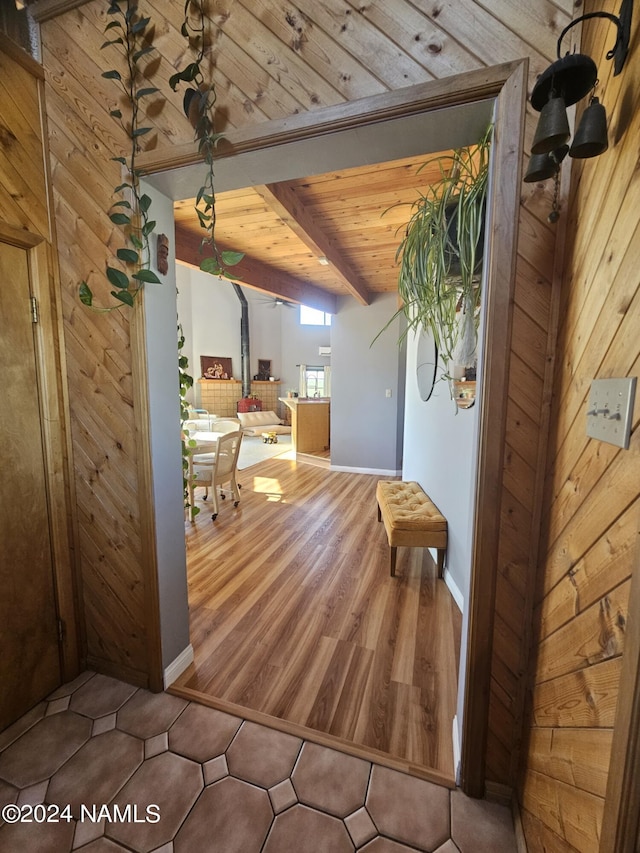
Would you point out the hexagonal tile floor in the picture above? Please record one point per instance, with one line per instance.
(103, 767)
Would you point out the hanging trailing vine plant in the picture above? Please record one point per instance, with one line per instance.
(186, 382)
(199, 106)
(440, 255)
(131, 33)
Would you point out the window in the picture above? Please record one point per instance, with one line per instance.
(315, 381)
(313, 317)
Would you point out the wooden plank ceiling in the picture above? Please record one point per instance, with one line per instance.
(324, 236)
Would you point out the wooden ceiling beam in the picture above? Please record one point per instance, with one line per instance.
(259, 276)
(282, 199)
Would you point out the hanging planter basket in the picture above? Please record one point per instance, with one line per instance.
(441, 253)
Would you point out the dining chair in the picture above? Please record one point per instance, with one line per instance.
(225, 425)
(199, 471)
(219, 473)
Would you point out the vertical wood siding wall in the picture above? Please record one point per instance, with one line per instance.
(273, 59)
(592, 504)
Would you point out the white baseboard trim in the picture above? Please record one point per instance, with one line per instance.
(456, 750)
(380, 472)
(454, 590)
(178, 666)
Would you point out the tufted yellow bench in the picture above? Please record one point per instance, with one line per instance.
(410, 519)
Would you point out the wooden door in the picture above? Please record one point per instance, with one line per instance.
(29, 659)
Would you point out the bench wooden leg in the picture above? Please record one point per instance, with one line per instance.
(392, 560)
(441, 553)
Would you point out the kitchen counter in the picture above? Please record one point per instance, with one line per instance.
(309, 423)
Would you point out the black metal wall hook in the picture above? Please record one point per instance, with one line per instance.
(573, 75)
(622, 21)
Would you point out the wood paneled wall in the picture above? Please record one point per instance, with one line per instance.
(592, 508)
(272, 60)
(24, 202)
(117, 571)
(26, 220)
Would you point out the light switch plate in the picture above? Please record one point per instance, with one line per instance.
(610, 410)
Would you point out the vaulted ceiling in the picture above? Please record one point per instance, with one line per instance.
(313, 239)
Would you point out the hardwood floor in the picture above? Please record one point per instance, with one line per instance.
(294, 615)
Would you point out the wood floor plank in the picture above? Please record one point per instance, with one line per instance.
(294, 615)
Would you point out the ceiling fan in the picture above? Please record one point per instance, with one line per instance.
(277, 302)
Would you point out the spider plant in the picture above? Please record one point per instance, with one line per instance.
(440, 255)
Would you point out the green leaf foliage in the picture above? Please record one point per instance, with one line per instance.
(140, 26)
(147, 276)
(230, 258)
(149, 90)
(187, 75)
(440, 255)
(128, 256)
(120, 218)
(211, 265)
(124, 296)
(185, 383)
(145, 51)
(86, 296)
(112, 75)
(117, 278)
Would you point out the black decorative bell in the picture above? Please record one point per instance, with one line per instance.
(591, 136)
(553, 127)
(544, 166)
(540, 168)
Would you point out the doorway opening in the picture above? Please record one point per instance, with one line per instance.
(503, 220)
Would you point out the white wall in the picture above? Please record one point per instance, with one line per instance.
(440, 452)
(209, 311)
(300, 346)
(265, 331)
(164, 410)
(441, 444)
(366, 424)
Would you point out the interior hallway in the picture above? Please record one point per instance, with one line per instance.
(294, 616)
(217, 783)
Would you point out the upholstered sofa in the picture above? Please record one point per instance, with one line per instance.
(212, 424)
(255, 423)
